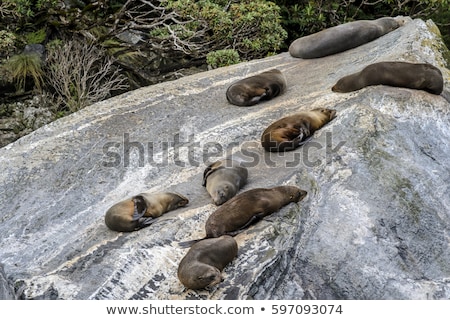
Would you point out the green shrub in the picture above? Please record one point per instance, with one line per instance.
(7, 42)
(29, 8)
(54, 44)
(25, 66)
(441, 18)
(251, 28)
(5, 75)
(222, 58)
(35, 37)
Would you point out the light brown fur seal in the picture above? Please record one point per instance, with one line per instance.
(251, 90)
(421, 76)
(223, 179)
(140, 211)
(247, 208)
(342, 37)
(289, 132)
(201, 267)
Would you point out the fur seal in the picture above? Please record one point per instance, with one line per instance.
(289, 132)
(252, 90)
(247, 208)
(201, 267)
(421, 76)
(140, 211)
(223, 179)
(342, 37)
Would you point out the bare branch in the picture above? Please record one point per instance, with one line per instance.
(82, 74)
(145, 16)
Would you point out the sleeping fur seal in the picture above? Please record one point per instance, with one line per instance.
(247, 208)
(342, 37)
(201, 267)
(223, 179)
(421, 76)
(251, 90)
(141, 210)
(289, 132)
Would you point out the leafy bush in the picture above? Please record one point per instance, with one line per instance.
(7, 42)
(29, 8)
(36, 36)
(251, 28)
(222, 58)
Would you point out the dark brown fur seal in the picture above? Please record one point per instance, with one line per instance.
(251, 90)
(421, 76)
(247, 208)
(201, 267)
(342, 37)
(288, 133)
(223, 179)
(141, 210)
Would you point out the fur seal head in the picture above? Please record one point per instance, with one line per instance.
(140, 211)
(388, 24)
(254, 89)
(201, 267)
(290, 132)
(223, 179)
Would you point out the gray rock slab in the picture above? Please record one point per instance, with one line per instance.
(6, 290)
(375, 223)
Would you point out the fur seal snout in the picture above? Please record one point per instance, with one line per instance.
(201, 267)
(252, 90)
(342, 37)
(140, 211)
(289, 132)
(421, 76)
(223, 179)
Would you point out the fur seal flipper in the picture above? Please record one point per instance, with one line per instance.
(139, 207)
(342, 37)
(421, 76)
(141, 210)
(202, 265)
(223, 179)
(290, 132)
(254, 89)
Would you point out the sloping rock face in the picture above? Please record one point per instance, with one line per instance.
(374, 225)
